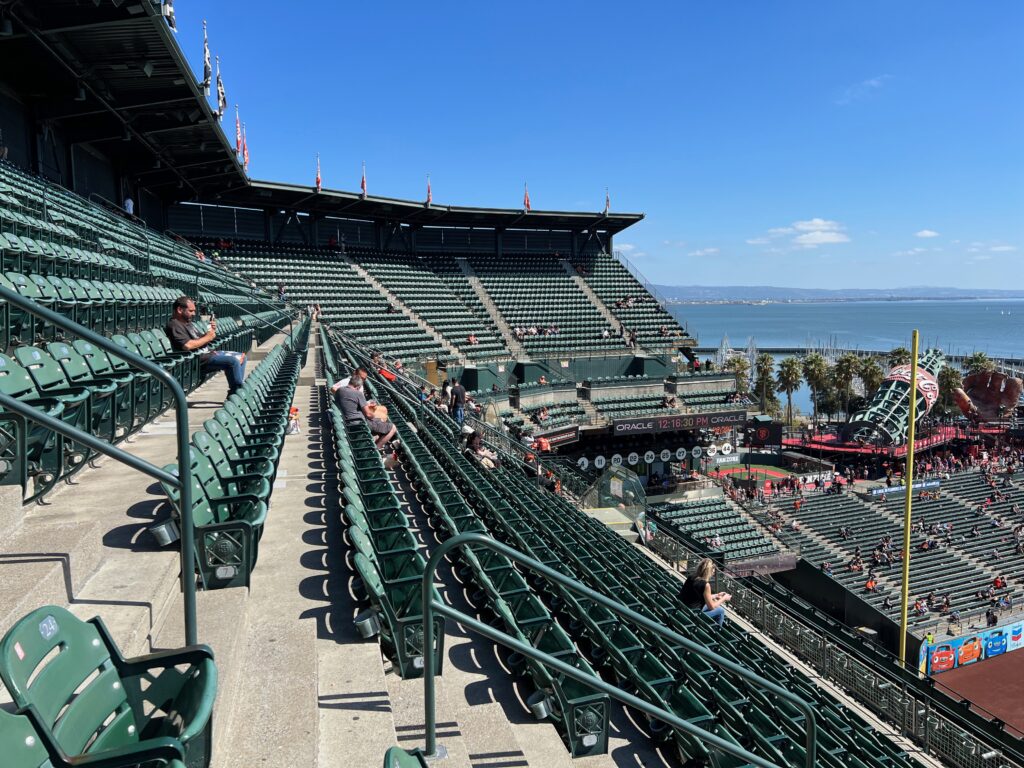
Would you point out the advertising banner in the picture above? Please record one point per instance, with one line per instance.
(687, 421)
(969, 649)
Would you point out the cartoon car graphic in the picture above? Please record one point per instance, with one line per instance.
(943, 658)
(970, 651)
(995, 643)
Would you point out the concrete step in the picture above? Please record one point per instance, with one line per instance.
(45, 565)
(279, 664)
(11, 510)
(222, 623)
(132, 606)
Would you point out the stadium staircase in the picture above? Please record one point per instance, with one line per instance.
(589, 293)
(397, 302)
(513, 344)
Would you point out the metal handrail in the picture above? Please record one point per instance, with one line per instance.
(184, 479)
(431, 606)
(291, 321)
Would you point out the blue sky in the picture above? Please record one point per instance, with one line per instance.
(809, 144)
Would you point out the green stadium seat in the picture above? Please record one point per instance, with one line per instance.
(91, 699)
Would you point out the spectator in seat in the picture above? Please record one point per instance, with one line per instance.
(185, 337)
(356, 408)
(696, 592)
(486, 457)
(472, 339)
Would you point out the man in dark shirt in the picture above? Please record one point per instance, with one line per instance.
(185, 337)
(458, 404)
(356, 408)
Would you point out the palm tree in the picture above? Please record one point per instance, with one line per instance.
(739, 366)
(816, 376)
(871, 376)
(978, 362)
(843, 373)
(899, 356)
(788, 380)
(764, 385)
(949, 380)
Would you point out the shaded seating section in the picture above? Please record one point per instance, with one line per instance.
(941, 570)
(619, 406)
(234, 461)
(116, 278)
(80, 700)
(346, 299)
(512, 508)
(424, 292)
(558, 415)
(613, 284)
(703, 519)
(535, 290)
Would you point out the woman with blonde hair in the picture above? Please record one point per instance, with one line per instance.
(696, 592)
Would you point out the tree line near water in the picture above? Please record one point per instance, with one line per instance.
(832, 385)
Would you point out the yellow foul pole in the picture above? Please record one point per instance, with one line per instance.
(908, 477)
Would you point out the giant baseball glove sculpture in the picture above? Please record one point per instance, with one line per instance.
(988, 396)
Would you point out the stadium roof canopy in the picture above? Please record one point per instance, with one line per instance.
(265, 194)
(110, 73)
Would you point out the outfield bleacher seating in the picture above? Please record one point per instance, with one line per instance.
(703, 519)
(940, 571)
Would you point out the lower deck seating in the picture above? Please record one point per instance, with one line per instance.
(507, 504)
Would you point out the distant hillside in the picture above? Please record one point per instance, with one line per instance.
(720, 293)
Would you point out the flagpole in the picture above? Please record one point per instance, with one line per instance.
(908, 502)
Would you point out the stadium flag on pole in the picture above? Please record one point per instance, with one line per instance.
(238, 133)
(317, 171)
(207, 69)
(430, 197)
(169, 15)
(222, 99)
(526, 197)
(245, 150)
(607, 201)
(362, 184)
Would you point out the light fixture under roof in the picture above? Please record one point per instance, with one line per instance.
(6, 28)
(147, 69)
(80, 92)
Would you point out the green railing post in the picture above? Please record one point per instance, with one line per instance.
(430, 607)
(188, 582)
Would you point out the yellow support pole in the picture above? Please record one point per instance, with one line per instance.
(908, 504)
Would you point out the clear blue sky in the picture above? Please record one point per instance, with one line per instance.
(811, 144)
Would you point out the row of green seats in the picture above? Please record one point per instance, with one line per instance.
(233, 463)
(580, 713)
